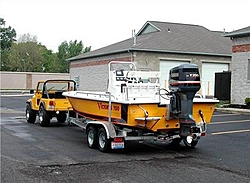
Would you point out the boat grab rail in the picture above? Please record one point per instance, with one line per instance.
(93, 93)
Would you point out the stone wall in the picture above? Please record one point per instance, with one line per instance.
(240, 86)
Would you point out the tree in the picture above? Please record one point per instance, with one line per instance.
(27, 38)
(26, 57)
(51, 63)
(67, 50)
(7, 37)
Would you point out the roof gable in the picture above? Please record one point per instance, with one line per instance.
(148, 28)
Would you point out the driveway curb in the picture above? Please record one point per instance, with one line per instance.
(233, 110)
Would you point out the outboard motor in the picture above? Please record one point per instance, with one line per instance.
(184, 82)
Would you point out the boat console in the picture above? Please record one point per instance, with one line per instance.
(133, 85)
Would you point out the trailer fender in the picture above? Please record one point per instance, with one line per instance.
(109, 127)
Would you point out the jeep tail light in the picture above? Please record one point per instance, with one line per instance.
(51, 103)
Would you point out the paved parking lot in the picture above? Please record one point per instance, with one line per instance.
(30, 153)
(230, 123)
(230, 135)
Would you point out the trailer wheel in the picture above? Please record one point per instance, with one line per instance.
(92, 137)
(61, 117)
(192, 144)
(43, 117)
(103, 141)
(175, 142)
(30, 114)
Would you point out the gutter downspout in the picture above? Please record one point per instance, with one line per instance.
(131, 56)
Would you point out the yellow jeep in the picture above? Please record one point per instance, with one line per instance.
(48, 101)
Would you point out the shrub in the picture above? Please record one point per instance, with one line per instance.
(247, 102)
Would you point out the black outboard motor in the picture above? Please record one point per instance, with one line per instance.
(184, 82)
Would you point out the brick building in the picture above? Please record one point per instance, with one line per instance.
(240, 84)
(158, 46)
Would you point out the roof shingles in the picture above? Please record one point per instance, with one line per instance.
(173, 37)
(240, 32)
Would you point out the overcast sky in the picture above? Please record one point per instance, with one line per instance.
(99, 23)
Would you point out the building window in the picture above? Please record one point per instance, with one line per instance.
(248, 70)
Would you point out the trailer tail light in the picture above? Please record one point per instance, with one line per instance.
(117, 143)
(118, 139)
(203, 134)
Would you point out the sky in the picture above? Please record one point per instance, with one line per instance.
(99, 23)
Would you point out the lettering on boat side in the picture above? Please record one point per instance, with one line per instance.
(102, 106)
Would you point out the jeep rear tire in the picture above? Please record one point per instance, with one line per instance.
(44, 117)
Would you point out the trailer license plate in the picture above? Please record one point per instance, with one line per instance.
(117, 145)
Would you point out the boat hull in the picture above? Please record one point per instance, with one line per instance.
(133, 115)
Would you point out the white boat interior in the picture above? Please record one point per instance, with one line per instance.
(130, 86)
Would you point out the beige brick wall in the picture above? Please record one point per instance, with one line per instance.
(93, 72)
(27, 80)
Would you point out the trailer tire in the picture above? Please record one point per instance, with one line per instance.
(92, 137)
(175, 142)
(30, 114)
(103, 141)
(190, 145)
(44, 117)
(61, 117)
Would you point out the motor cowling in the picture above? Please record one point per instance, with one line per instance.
(185, 78)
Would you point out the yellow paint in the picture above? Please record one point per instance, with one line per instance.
(134, 111)
(207, 110)
(99, 108)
